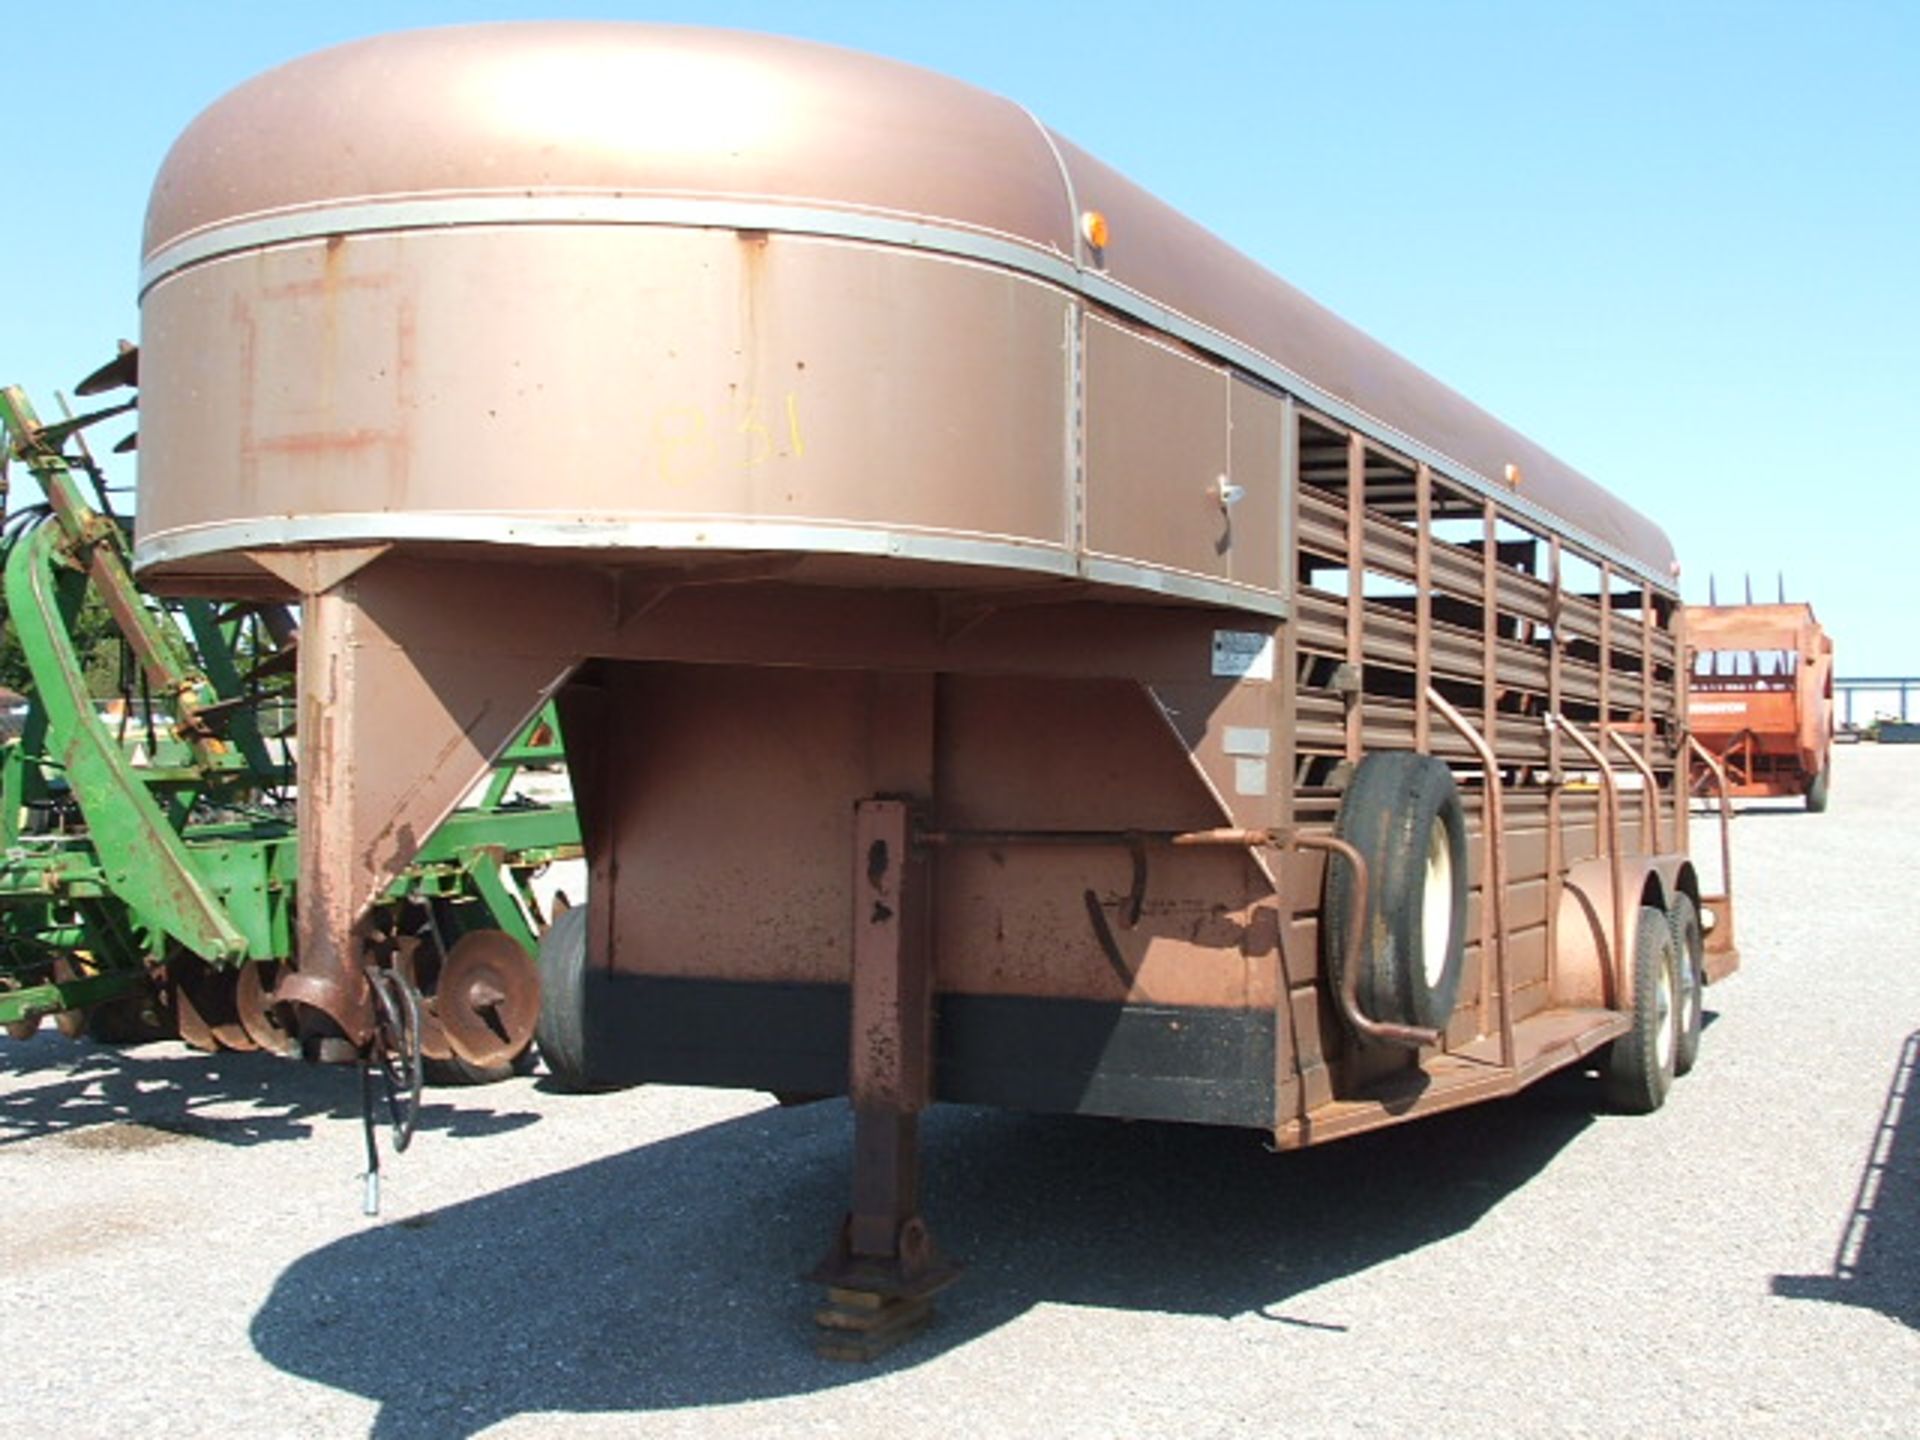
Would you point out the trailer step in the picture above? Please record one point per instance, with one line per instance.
(1543, 1042)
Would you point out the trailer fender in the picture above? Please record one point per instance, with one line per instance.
(1588, 971)
(1667, 876)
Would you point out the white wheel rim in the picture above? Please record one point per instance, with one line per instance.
(1436, 904)
(1663, 1011)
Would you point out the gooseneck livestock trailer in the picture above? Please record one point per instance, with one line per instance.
(1012, 648)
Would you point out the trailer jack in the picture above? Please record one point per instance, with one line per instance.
(883, 1268)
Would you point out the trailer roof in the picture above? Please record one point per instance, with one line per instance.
(617, 120)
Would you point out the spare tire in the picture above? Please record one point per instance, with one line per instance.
(1402, 812)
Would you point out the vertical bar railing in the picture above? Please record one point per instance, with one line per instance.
(1610, 836)
(1721, 936)
(1489, 714)
(1493, 869)
(1650, 803)
(1422, 601)
(1556, 618)
(1353, 688)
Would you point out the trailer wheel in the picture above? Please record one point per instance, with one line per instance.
(1817, 791)
(1639, 1065)
(561, 1032)
(1402, 812)
(1687, 935)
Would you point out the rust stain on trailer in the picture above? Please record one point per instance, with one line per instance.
(322, 442)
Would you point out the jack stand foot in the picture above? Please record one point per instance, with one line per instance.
(876, 1302)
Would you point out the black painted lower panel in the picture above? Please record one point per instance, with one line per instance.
(1068, 1056)
(1141, 1062)
(734, 1034)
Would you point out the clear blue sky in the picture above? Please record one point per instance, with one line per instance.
(1678, 244)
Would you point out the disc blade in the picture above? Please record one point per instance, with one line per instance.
(488, 999)
(123, 369)
(263, 1022)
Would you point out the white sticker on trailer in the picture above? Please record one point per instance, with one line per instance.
(1243, 654)
(1249, 777)
(1247, 740)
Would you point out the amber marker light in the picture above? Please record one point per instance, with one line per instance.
(1093, 225)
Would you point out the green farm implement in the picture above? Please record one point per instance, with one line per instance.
(148, 848)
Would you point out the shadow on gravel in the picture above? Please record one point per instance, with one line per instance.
(1877, 1262)
(669, 1276)
(167, 1089)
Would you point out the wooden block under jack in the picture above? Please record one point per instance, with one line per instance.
(855, 1299)
(860, 1325)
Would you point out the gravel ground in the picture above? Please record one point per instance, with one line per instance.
(186, 1254)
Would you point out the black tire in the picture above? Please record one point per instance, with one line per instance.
(1639, 1065)
(1684, 917)
(1402, 812)
(561, 1032)
(1817, 791)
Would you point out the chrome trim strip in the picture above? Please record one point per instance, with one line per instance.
(589, 532)
(1184, 585)
(613, 533)
(880, 228)
(448, 212)
(1066, 183)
